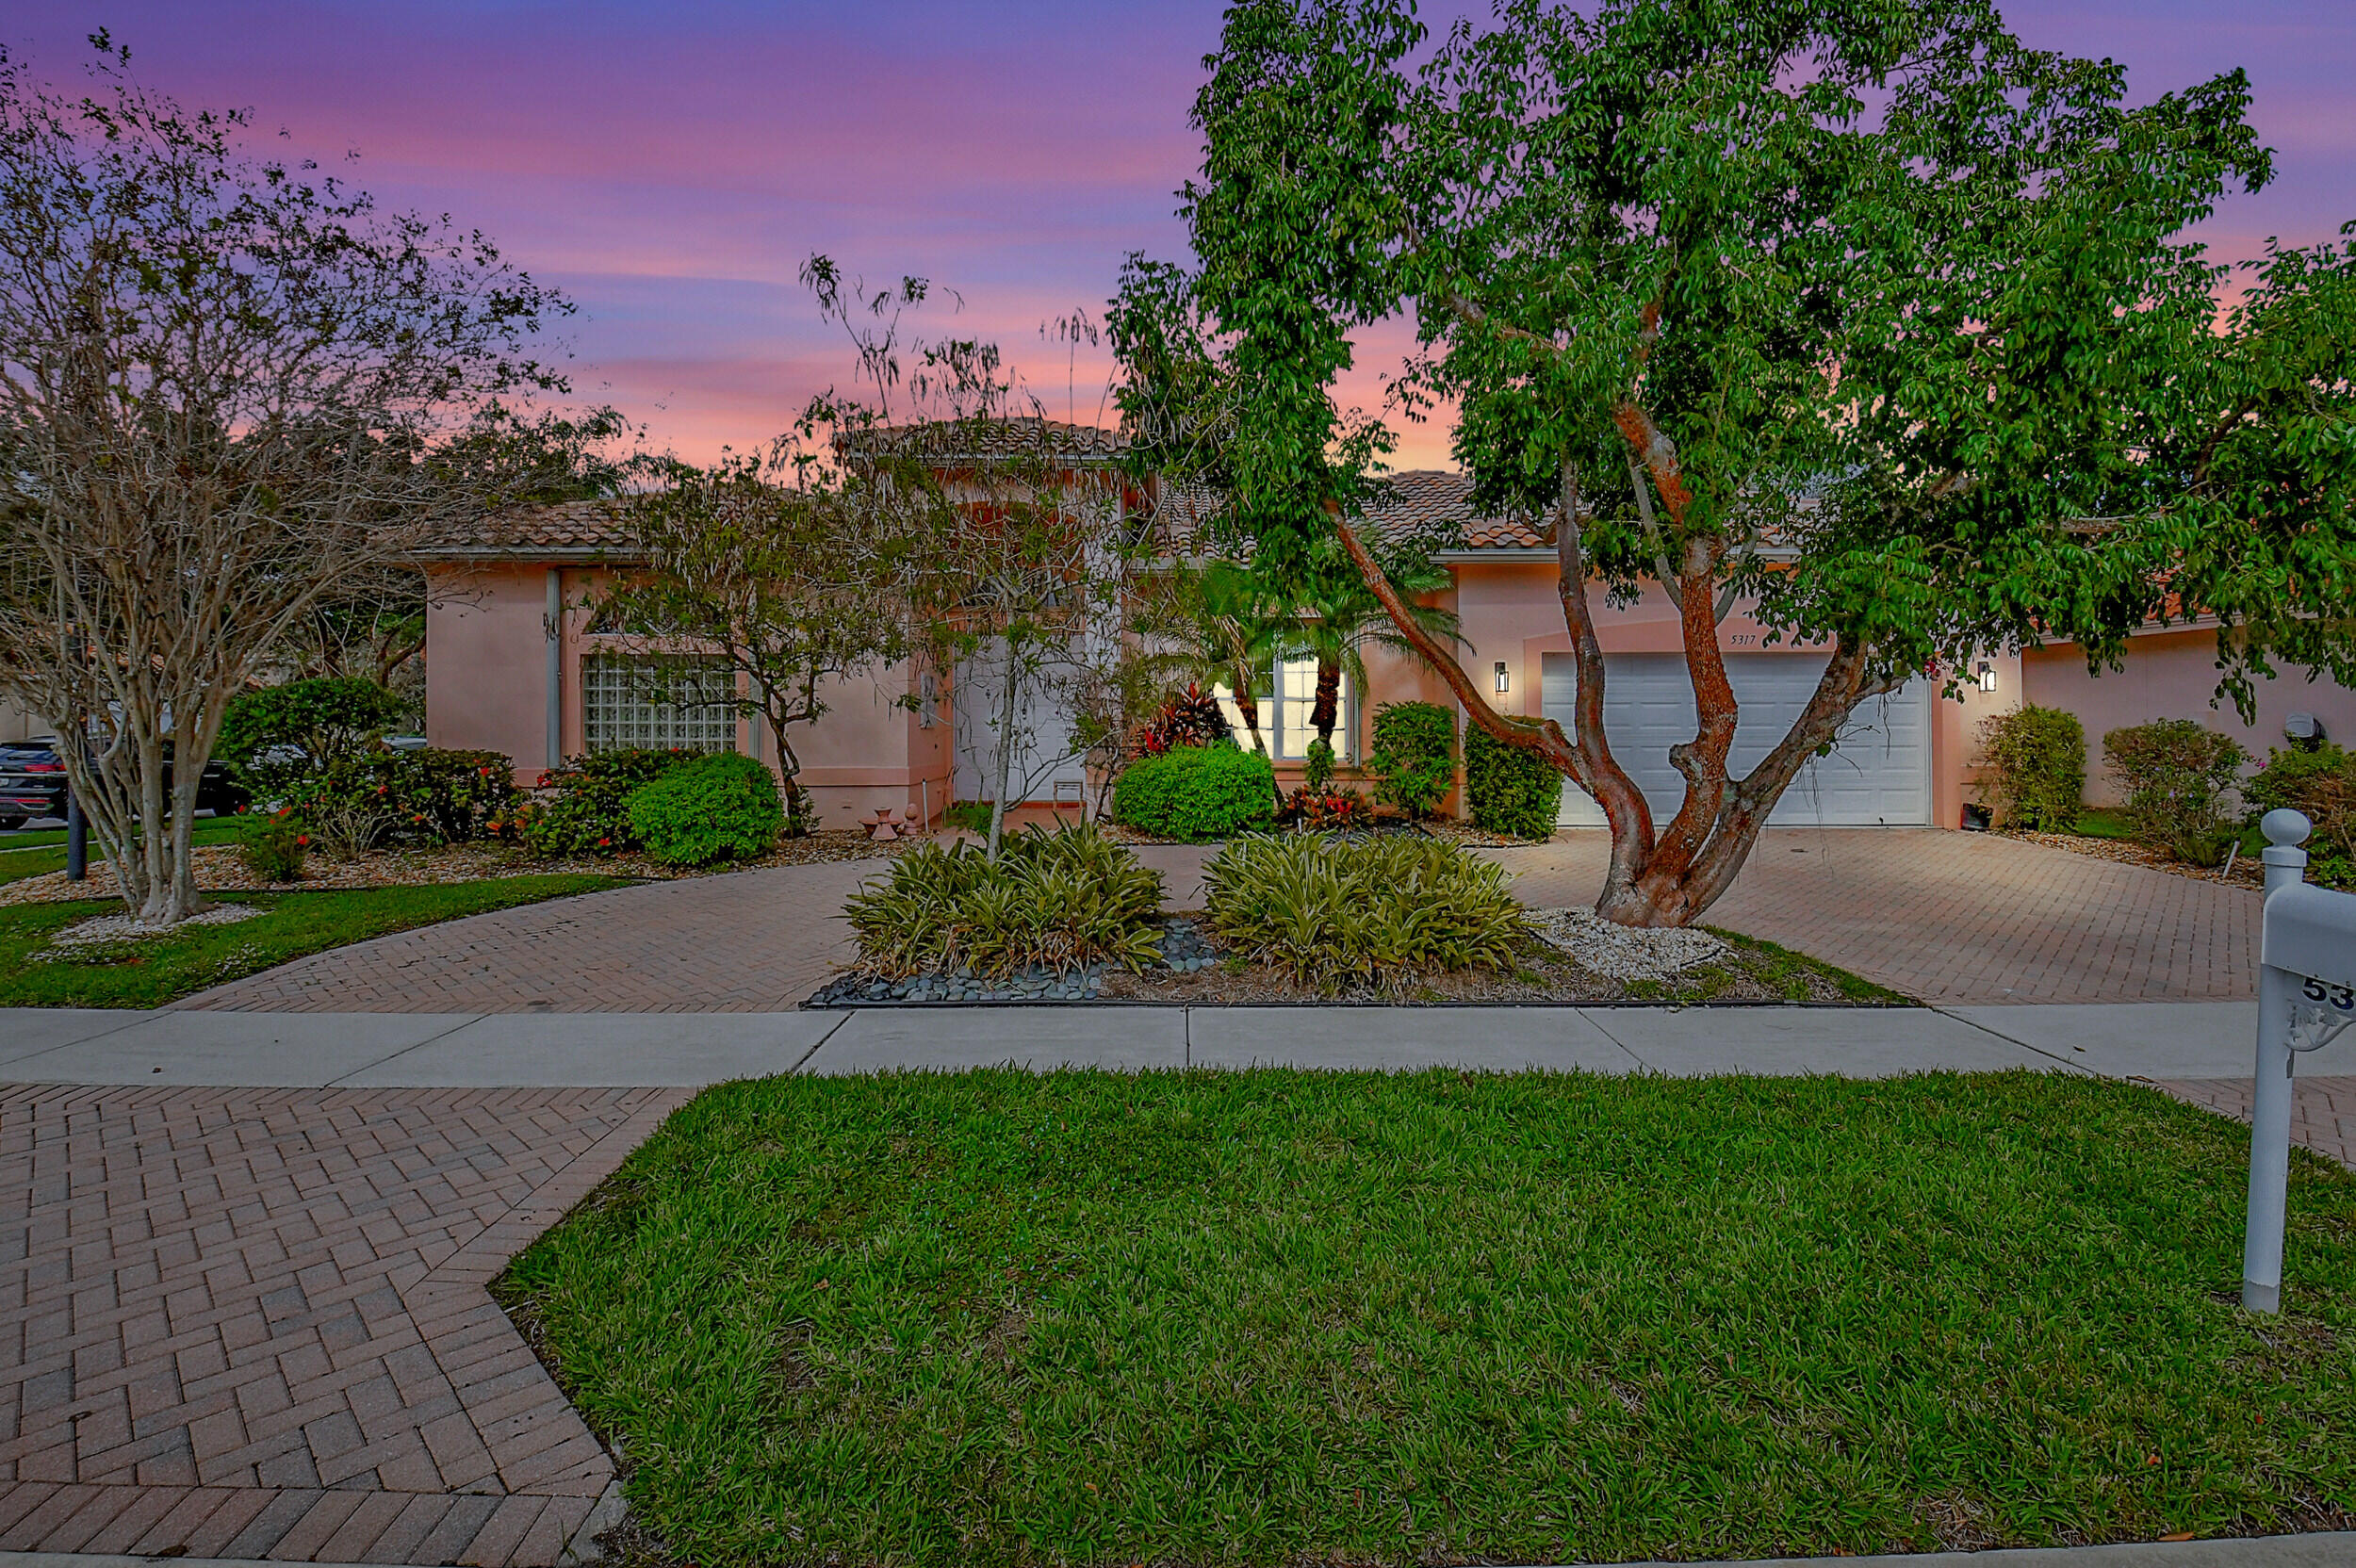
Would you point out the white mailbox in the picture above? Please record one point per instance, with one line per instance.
(2306, 995)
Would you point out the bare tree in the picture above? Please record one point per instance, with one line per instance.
(223, 384)
(770, 564)
(1019, 531)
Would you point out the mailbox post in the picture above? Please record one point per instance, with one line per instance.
(2306, 995)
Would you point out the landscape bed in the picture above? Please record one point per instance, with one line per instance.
(1197, 971)
(1290, 1318)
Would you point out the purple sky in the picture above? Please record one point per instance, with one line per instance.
(670, 165)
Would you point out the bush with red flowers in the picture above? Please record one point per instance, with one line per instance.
(1187, 718)
(1328, 809)
(583, 807)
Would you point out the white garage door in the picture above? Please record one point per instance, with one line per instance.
(1878, 776)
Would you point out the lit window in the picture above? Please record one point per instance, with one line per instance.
(1287, 693)
(627, 700)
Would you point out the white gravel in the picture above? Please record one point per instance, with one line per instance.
(1626, 952)
(126, 928)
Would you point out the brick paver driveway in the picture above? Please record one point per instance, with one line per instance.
(1948, 917)
(252, 1322)
(1962, 917)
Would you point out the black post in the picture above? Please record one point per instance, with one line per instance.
(76, 838)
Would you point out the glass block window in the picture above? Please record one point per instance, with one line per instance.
(640, 700)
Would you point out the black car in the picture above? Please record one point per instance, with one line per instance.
(32, 783)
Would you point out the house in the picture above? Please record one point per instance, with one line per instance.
(514, 665)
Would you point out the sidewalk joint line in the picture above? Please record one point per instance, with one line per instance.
(465, 1020)
(803, 1061)
(1588, 1014)
(138, 1015)
(2075, 1067)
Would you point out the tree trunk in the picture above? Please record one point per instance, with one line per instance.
(1249, 706)
(1652, 879)
(1326, 710)
(789, 769)
(1008, 706)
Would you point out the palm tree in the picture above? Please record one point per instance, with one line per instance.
(1337, 617)
(1230, 627)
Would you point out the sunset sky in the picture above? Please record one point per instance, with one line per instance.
(669, 166)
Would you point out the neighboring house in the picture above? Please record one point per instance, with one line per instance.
(512, 665)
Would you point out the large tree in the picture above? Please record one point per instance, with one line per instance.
(222, 382)
(1858, 313)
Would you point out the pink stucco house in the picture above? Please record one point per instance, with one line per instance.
(512, 666)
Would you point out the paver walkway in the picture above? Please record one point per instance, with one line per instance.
(1948, 917)
(253, 1322)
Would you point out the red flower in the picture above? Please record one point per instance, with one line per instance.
(604, 842)
(302, 838)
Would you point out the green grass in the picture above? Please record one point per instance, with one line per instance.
(151, 972)
(2102, 822)
(23, 855)
(1285, 1318)
(1775, 966)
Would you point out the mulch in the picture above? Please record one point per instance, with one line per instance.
(2248, 871)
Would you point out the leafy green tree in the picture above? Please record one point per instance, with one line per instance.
(1339, 615)
(1859, 312)
(1229, 628)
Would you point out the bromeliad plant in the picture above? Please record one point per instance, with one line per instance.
(1333, 912)
(1063, 900)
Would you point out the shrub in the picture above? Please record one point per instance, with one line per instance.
(361, 801)
(723, 806)
(2322, 785)
(586, 807)
(1413, 762)
(1330, 810)
(1190, 718)
(1333, 909)
(972, 815)
(1064, 899)
(1196, 793)
(1510, 791)
(271, 845)
(1316, 771)
(451, 797)
(272, 737)
(2034, 768)
(2179, 776)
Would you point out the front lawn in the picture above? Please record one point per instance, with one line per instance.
(1277, 1317)
(23, 855)
(153, 971)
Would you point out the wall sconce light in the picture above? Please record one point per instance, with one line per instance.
(1988, 675)
(1505, 682)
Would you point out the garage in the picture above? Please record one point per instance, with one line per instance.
(1877, 775)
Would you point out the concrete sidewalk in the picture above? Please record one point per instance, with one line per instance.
(2153, 1040)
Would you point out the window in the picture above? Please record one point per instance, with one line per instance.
(629, 700)
(1287, 697)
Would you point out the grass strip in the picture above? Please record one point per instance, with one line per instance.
(153, 971)
(1292, 1317)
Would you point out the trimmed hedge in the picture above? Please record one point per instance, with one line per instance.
(1510, 789)
(723, 806)
(2034, 768)
(2179, 775)
(1196, 793)
(1414, 761)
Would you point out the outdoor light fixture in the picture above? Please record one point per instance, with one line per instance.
(1988, 675)
(1505, 682)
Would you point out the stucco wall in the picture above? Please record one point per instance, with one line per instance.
(486, 662)
(2173, 675)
